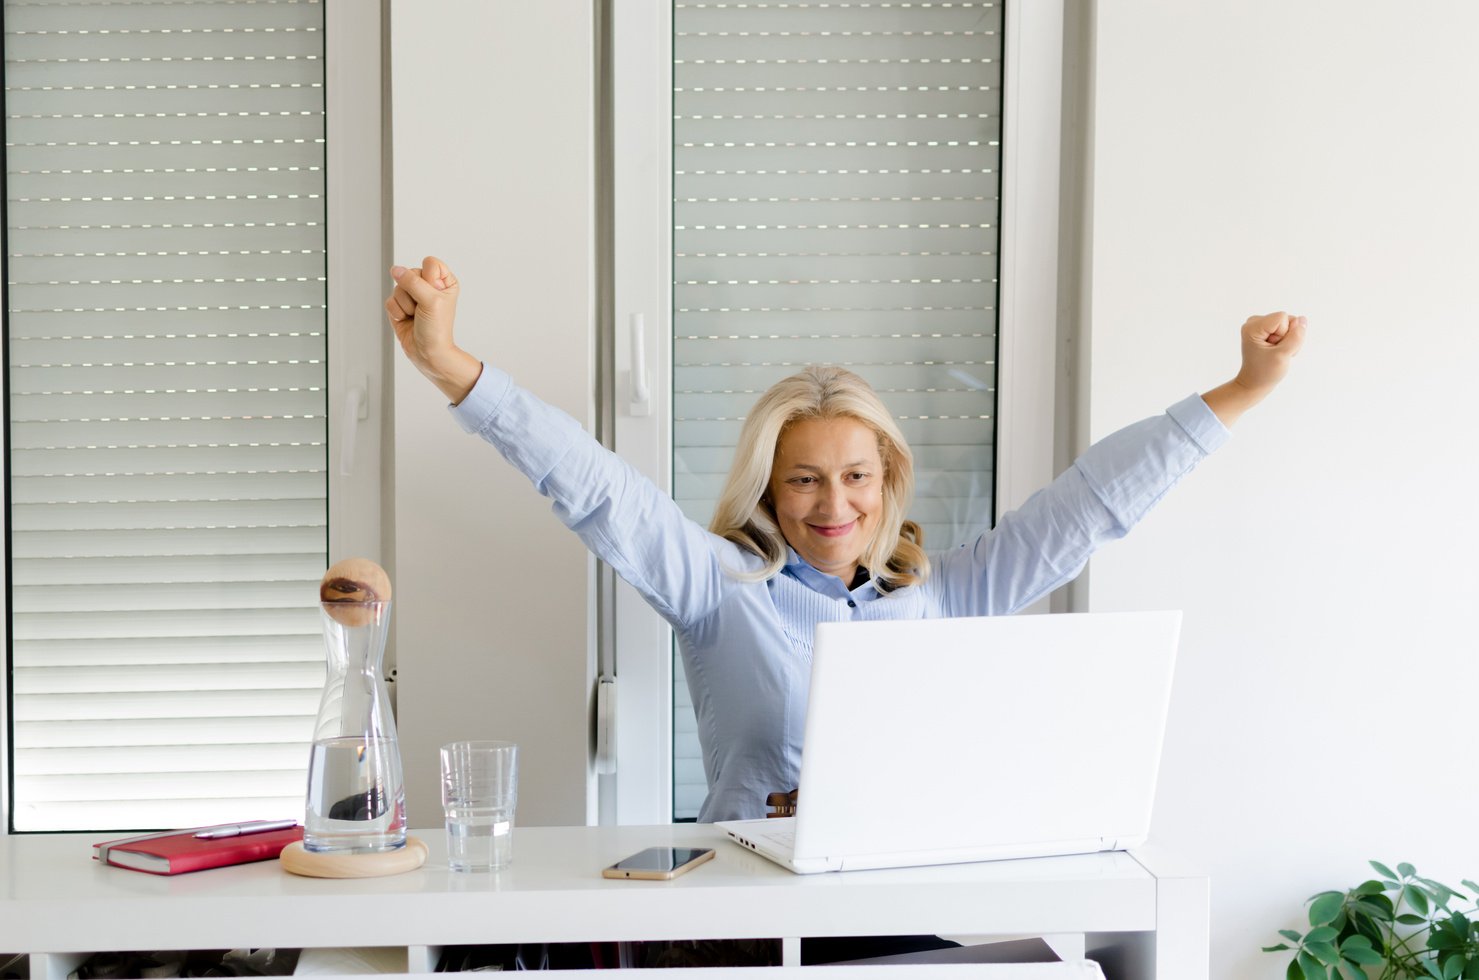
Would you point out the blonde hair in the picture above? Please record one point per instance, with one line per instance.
(894, 556)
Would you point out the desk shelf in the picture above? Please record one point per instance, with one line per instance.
(59, 905)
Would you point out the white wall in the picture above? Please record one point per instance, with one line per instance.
(492, 128)
(1317, 156)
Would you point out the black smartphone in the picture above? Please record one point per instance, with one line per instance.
(659, 863)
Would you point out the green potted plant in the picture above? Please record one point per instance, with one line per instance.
(1398, 926)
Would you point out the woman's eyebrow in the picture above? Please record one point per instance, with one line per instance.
(817, 469)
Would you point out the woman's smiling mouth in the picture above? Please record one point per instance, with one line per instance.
(833, 531)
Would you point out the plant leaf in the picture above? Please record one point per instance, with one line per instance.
(1368, 929)
(1354, 942)
(1312, 968)
(1321, 934)
(1454, 968)
(1351, 971)
(1363, 955)
(1472, 972)
(1324, 952)
(1408, 919)
(1455, 924)
(1417, 898)
(1276, 949)
(1295, 972)
(1376, 906)
(1325, 907)
(1437, 891)
(1406, 870)
(1369, 887)
(1382, 869)
(1290, 935)
(1379, 901)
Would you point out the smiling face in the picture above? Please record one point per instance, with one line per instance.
(827, 490)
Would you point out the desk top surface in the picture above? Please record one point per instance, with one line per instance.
(52, 894)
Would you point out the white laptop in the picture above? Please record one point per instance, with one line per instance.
(948, 740)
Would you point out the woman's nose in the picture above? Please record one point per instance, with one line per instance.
(831, 500)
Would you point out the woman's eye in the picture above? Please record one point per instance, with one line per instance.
(804, 481)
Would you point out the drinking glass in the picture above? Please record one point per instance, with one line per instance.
(479, 795)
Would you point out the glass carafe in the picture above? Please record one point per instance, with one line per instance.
(356, 792)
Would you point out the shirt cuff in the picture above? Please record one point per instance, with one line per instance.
(1200, 423)
(474, 411)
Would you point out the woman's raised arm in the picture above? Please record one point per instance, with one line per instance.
(620, 515)
(1108, 489)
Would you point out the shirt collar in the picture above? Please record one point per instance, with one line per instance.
(798, 568)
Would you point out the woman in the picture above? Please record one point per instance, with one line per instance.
(811, 525)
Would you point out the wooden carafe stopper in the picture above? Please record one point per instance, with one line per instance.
(349, 585)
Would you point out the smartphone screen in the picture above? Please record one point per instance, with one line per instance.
(659, 862)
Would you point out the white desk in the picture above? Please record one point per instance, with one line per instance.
(1140, 916)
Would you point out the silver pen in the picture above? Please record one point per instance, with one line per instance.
(239, 829)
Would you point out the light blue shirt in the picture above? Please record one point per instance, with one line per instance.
(746, 646)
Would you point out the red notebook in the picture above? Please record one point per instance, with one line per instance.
(181, 851)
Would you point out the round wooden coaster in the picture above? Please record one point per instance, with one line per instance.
(300, 861)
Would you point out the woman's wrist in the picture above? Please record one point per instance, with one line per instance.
(454, 372)
(1230, 400)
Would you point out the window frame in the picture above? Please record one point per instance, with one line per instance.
(641, 180)
(358, 247)
(355, 242)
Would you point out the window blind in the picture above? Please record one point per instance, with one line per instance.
(167, 411)
(836, 190)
